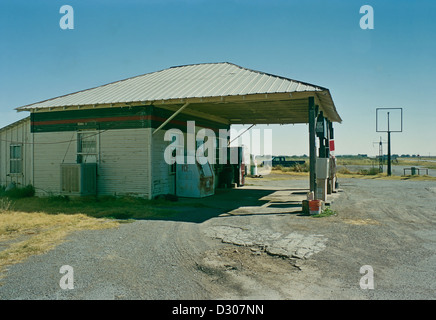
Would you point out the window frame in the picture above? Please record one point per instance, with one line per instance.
(15, 159)
(79, 149)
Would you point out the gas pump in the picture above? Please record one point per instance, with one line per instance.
(234, 171)
(240, 171)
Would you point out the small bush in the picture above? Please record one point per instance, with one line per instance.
(26, 192)
(295, 168)
(369, 172)
(301, 167)
(344, 171)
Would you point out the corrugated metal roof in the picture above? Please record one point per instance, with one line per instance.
(182, 82)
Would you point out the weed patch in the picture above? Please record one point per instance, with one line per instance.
(24, 234)
(327, 212)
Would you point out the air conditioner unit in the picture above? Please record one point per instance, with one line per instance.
(79, 179)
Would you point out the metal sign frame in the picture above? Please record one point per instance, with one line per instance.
(388, 130)
(389, 133)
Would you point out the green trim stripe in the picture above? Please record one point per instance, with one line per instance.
(114, 118)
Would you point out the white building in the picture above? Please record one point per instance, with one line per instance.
(117, 130)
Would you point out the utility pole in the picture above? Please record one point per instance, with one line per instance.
(380, 160)
(380, 155)
(389, 150)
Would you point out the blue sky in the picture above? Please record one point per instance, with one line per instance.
(319, 42)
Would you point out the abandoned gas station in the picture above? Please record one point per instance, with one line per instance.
(111, 139)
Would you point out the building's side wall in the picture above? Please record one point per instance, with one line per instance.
(164, 181)
(161, 170)
(130, 158)
(121, 163)
(123, 167)
(122, 147)
(16, 134)
(50, 151)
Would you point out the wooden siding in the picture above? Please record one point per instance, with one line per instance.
(123, 167)
(17, 133)
(50, 150)
(161, 170)
(122, 161)
(130, 158)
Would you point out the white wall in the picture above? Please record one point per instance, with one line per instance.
(16, 133)
(123, 162)
(50, 150)
(161, 170)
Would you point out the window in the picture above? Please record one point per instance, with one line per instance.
(87, 147)
(16, 159)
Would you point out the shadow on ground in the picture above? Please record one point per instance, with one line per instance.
(247, 200)
(239, 201)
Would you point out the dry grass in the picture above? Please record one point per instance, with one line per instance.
(32, 225)
(344, 161)
(281, 175)
(413, 162)
(24, 234)
(344, 173)
(417, 163)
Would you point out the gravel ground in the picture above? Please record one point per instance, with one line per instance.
(200, 254)
(140, 260)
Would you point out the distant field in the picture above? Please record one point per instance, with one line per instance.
(417, 163)
(429, 163)
(398, 161)
(283, 175)
(383, 176)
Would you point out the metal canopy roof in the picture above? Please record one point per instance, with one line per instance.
(223, 92)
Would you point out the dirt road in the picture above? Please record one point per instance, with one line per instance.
(261, 248)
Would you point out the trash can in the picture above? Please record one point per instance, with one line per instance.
(253, 170)
(315, 207)
(413, 171)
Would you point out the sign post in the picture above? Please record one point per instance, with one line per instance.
(386, 127)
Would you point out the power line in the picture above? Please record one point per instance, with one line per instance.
(55, 142)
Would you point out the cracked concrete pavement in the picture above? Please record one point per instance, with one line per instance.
(292, 245)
